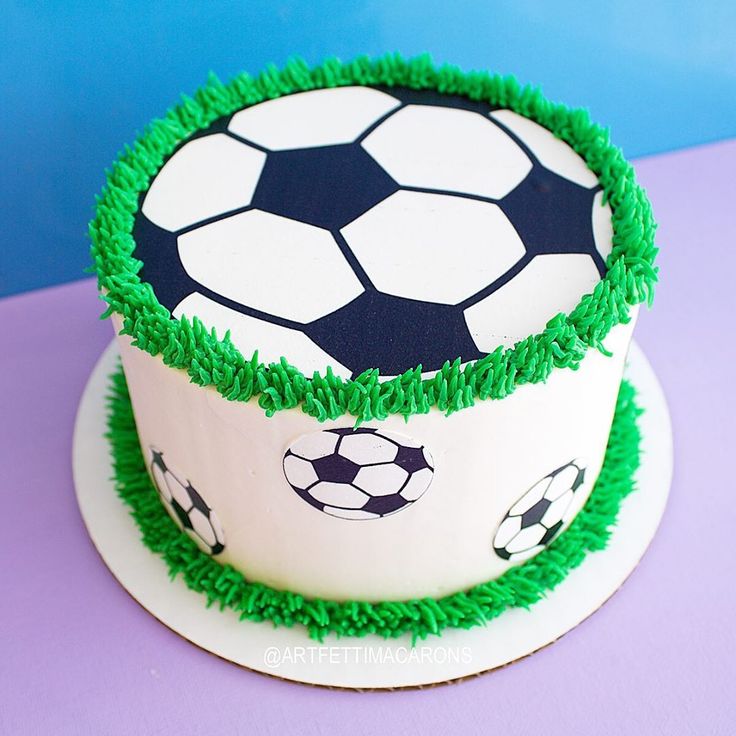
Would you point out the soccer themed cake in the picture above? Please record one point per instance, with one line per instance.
(373, 320)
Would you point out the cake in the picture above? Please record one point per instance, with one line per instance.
(373, 320)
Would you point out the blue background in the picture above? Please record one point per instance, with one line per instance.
(81, 78)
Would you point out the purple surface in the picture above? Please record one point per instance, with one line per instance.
(78, 655)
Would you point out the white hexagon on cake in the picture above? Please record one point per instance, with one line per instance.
(362, 228)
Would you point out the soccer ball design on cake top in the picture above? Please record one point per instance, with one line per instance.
(539, 515)
(186, 506)
(362, 228)
(359, 473)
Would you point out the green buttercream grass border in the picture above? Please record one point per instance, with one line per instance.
(225, 587)
(214, 361)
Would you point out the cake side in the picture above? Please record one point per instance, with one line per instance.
(285, 527)
(418, 618)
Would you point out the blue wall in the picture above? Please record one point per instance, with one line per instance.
(80, 78)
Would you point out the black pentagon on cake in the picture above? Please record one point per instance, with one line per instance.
(181, 514)
(385, 505)
(329, 186)
(335, 469)
(389, 332)
(409, 96)
(197, 501)
(535, 513)
(561, 222)
(411, 459)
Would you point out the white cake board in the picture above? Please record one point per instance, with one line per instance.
(369, 662)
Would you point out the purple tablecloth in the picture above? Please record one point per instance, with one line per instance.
(79, 656)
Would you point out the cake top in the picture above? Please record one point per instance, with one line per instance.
(348, 230)
(362, 228)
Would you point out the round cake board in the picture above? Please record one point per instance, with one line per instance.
(368, 662)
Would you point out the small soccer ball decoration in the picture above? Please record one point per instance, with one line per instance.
(186, 506)
(538, 516)
(366, 228)
(362, 473)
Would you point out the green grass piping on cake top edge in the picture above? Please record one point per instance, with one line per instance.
(212, 360)
(520, 586)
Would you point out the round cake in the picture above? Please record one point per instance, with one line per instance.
(373, 320)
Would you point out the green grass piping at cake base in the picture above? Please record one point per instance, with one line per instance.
(214, 361)
(521, 586)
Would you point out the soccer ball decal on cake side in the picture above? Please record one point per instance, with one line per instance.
(359, 473)
(363, 228)
(539, 515)
(186, 506)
